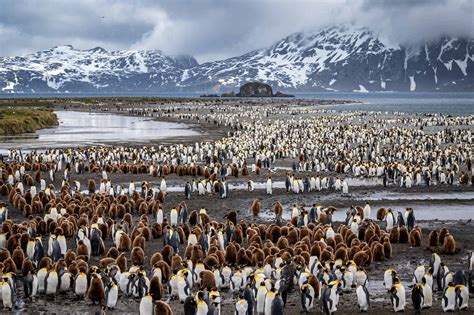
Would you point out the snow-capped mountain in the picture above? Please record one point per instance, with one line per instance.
(342, 58)
(65, 69)
(346, 59)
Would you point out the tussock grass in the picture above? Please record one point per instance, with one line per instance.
(25, 120)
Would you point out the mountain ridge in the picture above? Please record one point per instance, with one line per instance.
(336, 58)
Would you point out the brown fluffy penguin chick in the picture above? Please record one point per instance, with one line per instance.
(45, 262)
(113, 253)
(361, 258)
(255, 207)
(433, 238)
(326, 255)
(165, 270)
(122, 262)
(139, 241)
(415, 238)
(442, 233)
(230, 254)
(106, 261)
(161, 308)
(278, 209)
(91, 186)
(156, 289)
(378, 253)
(9, 266)
(232, 217)
(82, 249)
(403, 235)
(381, 213)
(449, 244)
(167, 254)
(156, 257)
(27, 267)
(394, 235)
(125, 243)
(211, 261)
(341, 253)
(207, 280)
(96, 290)
(387, 249)
(18, 256)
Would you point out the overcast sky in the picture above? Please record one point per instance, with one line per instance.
(216, 29)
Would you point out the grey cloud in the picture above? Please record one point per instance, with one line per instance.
(215, 29)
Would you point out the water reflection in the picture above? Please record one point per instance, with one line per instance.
(83, 128)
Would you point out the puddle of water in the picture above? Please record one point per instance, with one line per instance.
(422, 212)
(83, 128)
(384, 195)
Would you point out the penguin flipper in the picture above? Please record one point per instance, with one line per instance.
(459, 297)
(397, 300)
(445, 299)
(46, 281)
(367, 296)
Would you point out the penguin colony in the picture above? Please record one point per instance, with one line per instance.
(89, 239)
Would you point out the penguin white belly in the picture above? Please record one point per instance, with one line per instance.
(241, 307)
(52, 283)
(335, 299)
(427, 296)
(7, 296)
(159, 217)
(41, 276)
(355, 228)
(268, 304)
(123, 283)
(463, 297)
(30, 250)
(345, 188)
(62, 244)
(112, 297)
(183, 290)
(390, 222)
(80, 286)
(401, 300)
(261, 300)
(309, 302)
(174, 285)
(146, 306)
(87, 242)
(294, 213)
(34, 291)
(192, 239)
(235, 283)
(362, 299)
(449, 300)
(174, 218)
(202, 308)
(367, 212)
(65, 282)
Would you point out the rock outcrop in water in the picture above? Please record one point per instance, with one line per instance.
(256, 89)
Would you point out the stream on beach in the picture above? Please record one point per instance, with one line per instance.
(92, 128)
